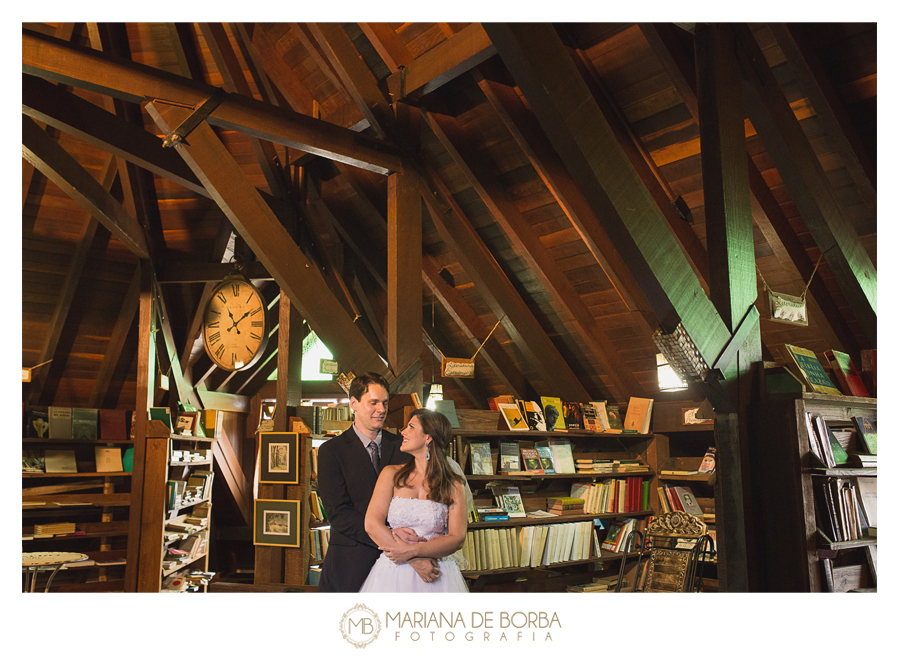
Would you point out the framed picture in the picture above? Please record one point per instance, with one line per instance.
(279, 458)
(186, 422)
(276, 522)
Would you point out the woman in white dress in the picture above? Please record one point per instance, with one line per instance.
(426, 495)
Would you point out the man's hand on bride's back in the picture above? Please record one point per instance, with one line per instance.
(408, 535)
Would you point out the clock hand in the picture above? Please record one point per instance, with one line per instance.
(233, 323)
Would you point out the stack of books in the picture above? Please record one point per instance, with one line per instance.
(492, 514)
(565, 506)
(50, 529)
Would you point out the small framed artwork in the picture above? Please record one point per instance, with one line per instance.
(276, 522)
(185, 424)
(279, 458)
(689, 418)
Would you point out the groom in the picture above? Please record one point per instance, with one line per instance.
(348, 469)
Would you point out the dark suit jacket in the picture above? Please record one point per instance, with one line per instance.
(346, 481)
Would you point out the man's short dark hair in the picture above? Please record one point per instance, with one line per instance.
(360, 384)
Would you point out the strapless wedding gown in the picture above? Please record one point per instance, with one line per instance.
(427, 518)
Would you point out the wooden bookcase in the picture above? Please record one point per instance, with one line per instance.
(535, 489)
(795, 557)
(97, 502)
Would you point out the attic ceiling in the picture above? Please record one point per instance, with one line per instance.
(524, 191)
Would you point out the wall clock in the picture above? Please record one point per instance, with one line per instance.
(235, 324)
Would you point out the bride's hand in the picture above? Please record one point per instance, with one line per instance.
(407, 535)
(401, 553)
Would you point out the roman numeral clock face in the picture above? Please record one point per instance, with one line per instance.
(234, 325)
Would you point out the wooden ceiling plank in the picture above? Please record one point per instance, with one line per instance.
(477, 333)
(180, 271)
(529, 246)
(249, 214)
(319, 54)
(802, 173)
(436, 67)
(116, 344)
(60, 167)
(52, 60)
(677, 58)
(458, 234)
(387, 44)
(535, 145)
(354, 75)
(254, 63)
(830, 110)
(182, 40)
(280, 73)
(568, 112)
(51, 104)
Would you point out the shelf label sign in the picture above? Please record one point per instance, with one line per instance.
(460, 368)
(328, 367)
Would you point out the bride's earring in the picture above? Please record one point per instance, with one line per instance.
(427, 453)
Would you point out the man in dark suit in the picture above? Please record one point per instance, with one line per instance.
(348, 469)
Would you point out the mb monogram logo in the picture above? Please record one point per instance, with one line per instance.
(360, 626)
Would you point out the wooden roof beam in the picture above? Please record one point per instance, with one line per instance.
(55, 163)
(53, 105)
(492, 283)
(113, 352)
(268, 239)
(388, 44)
(436, 67)
(802, 173)
(569, 114)
(51, 59)
(676, 55)
(529, 246)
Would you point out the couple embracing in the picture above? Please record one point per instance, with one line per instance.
(397, 507)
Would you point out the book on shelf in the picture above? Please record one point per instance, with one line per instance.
(539, 514)
(37, 422)
(509, 499)
(601, 414)
(864, 461)
(84, 424)
(848, 377)
(869, 370)
(867, 431)
(113, 424)
(677, 472)
(554, 415)
(688, 501)
(531, 461)
(708, 463)
(509, 457)
(108, 460)
(513, 416)
(448, 408)
(493, 403)
(60, 422)
(546, 457)
(60, 461)
(561, 451)
(162, 414)
(614, 418)
(806, 367)
(33, 461)
(533, 415)
(637, 417)
(867, 494)
(589, 417)
(50, 529)
(482, 462)
(574, 419)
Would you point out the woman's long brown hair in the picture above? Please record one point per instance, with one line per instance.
(439, 477)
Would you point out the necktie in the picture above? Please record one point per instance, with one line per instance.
(373, 454)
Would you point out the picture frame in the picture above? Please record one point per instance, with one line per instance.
(279, 458)
(186, 422)
(276, 523)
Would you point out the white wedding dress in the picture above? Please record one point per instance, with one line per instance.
(428, 519)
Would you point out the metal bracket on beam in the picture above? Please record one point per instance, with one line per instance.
(200, 113)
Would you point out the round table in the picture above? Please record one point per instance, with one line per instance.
(34, 562)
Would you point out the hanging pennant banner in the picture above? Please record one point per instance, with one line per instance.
(787, 309)
(460, 368)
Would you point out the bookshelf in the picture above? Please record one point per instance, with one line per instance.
(535, 489)
(797, 558)
(96, 502)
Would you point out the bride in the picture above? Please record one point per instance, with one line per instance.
(426, 495)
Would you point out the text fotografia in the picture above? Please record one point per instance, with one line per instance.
(479, 626)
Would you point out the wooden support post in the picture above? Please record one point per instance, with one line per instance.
(732, 278)
(404, 292)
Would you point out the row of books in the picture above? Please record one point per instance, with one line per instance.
(846, 508)
(600, 466)
(617, 535)
(184, 551)
(529, 546)
(177, 583)
(613, 496)
(190, 456)
(681, 499)
(197, 487)
(598, 584)
(831, 451)
(547, 457)
(808, 369)
(554, 415)
(316, 507)
(106, 460)
(183, 526)
(318, 543)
